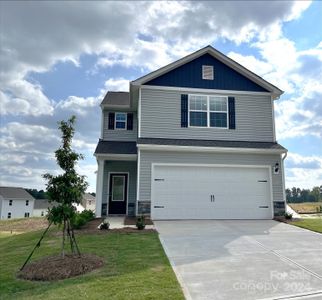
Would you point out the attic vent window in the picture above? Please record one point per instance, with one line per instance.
(208, 72)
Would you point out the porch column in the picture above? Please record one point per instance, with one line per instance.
(99, 187)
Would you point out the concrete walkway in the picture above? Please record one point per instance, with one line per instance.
(118, 222)
(251, 259)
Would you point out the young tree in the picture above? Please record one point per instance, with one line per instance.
(66, 188)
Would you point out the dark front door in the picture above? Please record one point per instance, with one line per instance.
(118, 194)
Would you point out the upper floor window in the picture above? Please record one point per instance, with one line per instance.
(10, 202)
(208, 111)
(27, 202)
(120, 120)
(207, 72)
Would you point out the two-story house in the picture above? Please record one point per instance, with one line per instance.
(15, 202)
(192, 140)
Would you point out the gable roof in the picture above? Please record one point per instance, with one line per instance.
(220, 57)
(43, 204)
(15, 193)
(116, 99)
(88, 196)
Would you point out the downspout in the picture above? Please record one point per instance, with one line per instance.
(284, 195)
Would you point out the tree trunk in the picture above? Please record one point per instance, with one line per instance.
(63, 241)
(72, 248)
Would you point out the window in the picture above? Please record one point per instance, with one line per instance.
(9, 215)
(208, 111)
(198, 110)
(27, 202)
(27, 214)
(89, 202)
(120, 120)
(218, 111)
(208, 72)
(118, 188)
(10, 202)
(42, 213)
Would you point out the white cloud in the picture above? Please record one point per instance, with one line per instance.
(136, 35)
(141, 34)
(116, 84)
(303, 171)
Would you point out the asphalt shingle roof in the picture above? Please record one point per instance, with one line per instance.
(116, 98)
(15, 193)
(43, 204)
(115, 147)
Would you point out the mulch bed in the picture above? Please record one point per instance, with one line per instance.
(132, 221)
(56, 268)
(91, 227)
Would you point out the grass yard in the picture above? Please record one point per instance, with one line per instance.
(311, 224)
(135, 268)
(306, 207)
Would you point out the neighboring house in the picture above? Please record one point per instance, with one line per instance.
(41, 207)
(192, 140)
(15, 202)
(88, 202)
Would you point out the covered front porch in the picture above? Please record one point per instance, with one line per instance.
(116, 178)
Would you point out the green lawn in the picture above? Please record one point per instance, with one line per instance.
(135, 268)
(311, 224)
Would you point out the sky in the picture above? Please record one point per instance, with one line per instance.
(60, 58)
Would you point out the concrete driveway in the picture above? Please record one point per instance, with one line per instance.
(257, 259)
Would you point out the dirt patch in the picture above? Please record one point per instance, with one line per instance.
(284, 220)
(23, 225)
(57, 268)
(132, 221)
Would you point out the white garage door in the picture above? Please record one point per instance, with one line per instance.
(194, 192)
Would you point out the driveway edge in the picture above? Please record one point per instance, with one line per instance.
(174, 268)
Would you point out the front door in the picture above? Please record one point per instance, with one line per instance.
(118, 194)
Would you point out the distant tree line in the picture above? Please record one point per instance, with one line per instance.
(41, 194)
(297, 195)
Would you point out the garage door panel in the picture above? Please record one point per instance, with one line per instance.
(182, 192)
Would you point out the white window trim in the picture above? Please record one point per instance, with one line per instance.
(208, 111)
(125, 122)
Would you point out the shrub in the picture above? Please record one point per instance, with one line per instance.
(140, 222)
(288, 216)
(80, 219)
(88, 214)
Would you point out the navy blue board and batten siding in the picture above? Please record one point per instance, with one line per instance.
(190, 75)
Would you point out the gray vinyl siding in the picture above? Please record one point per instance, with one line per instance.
(161, 118)
(126, 167)
(120, 134)
(149, 157)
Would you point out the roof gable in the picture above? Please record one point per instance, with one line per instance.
(228, 74)
(15, 193)
(190, 75)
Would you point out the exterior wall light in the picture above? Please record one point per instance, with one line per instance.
(277, 168)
